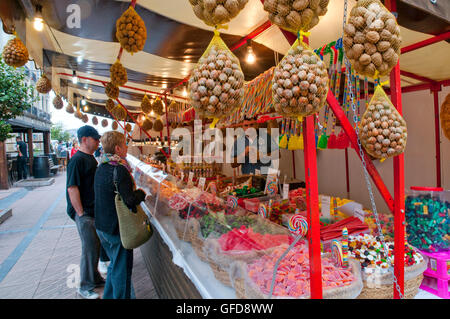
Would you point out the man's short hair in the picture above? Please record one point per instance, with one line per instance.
(18, 138)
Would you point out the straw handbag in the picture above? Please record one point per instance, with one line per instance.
(135, 228)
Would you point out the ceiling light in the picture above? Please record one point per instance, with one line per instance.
(80, 59)
(83, 101)
(164, 86)
(38, 24)
(185, 92)
(251, 58)
(74, 77)
(85, 108)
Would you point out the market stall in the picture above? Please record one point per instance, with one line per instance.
(315, 71)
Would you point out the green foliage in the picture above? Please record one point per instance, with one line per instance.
(15, 96)
(5, 129)
(57, 132)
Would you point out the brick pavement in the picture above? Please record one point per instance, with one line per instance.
(40, 247)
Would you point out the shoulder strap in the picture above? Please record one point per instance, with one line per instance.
(115, 179)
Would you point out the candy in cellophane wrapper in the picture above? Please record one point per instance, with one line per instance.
(243, 243)
(300, 82)
(295, 15)
(252, 279)
(216, 85)
(382, 130)
(216, 12)
(372, 39)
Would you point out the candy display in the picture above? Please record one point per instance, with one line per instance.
(119, 112)
(300, 82)
(110, 105)
(146, 105)
(372, 39)
(292, 277)
(131, 31)
(58, 102)
(295, 15)
(43, 85)
(427, 217)
(336, 253)
(216, 86)
(386, 222)
(118, 74)
(216, 12)
(112, 91)
(15, 53)
(445, 116)
(333, 231)
(382, 129)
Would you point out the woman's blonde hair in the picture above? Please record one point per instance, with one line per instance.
(110, 139)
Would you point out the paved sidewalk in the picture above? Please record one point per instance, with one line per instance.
(40, 247)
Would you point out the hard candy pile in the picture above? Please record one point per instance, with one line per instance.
(368, 250)
(428, 222)
(216, 86)
(292, 279)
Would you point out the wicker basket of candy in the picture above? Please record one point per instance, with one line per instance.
(253, 279)
(243, 243)
(376, 274)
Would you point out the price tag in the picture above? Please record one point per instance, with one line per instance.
(191, 176)
(285, 191)
(359, 213)
(326, 205)
(201, 183)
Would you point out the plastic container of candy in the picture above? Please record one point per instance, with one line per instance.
(427, 217)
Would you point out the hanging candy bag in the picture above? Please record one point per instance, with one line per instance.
(382, 130)
(216, 12)
(216, 85)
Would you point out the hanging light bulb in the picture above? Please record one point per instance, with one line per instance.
(184, 92)
(85, 108)
(74, 77)
(251, 57)
(83, 101)
(38, 22)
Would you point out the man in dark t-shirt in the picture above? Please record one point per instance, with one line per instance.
(80, 207)
(22, 156)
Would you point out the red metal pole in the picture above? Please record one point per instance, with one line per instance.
(424, 43)
(350, 131)
(167, 121)
(437, 137)
(312, 200)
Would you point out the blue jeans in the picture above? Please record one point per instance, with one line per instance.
(118, 280)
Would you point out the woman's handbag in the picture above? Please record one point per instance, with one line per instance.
(135, 228)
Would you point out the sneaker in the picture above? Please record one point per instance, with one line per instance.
(100, 283)
(88, 294)
(103, 267)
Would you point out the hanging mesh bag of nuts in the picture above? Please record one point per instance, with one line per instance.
(158, 125)
(15, 53)
(300, 82)
(94, 120)
(118, 74)
(43, 85)
(58, 102)
(112, 91)
(110, 105)
(216, 85)
(382, 129)
(70, 109)
(372, 39)
(295, 15)
(158, 106)
(119, 112)
(114, 125)
(131, 31)
(216, 12)
(104, 123)
(445, 116)
(147, 124)
(146, 105)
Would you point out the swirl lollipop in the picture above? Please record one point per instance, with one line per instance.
(336, 251)
(298, 225)
(262, 211)
(232, 201)
(345, 247)
(272, 188)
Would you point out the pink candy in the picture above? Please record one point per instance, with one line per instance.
(292, 279)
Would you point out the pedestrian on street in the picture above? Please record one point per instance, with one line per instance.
(74, 149)
(114, 168)
(80, 207)
(22, 156)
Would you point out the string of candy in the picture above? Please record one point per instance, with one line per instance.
(345, 247)
(366, 91)
(336, 253)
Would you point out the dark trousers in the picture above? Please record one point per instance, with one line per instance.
(90, 250)
(118, 280)
(103, 255)
(21, 167)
